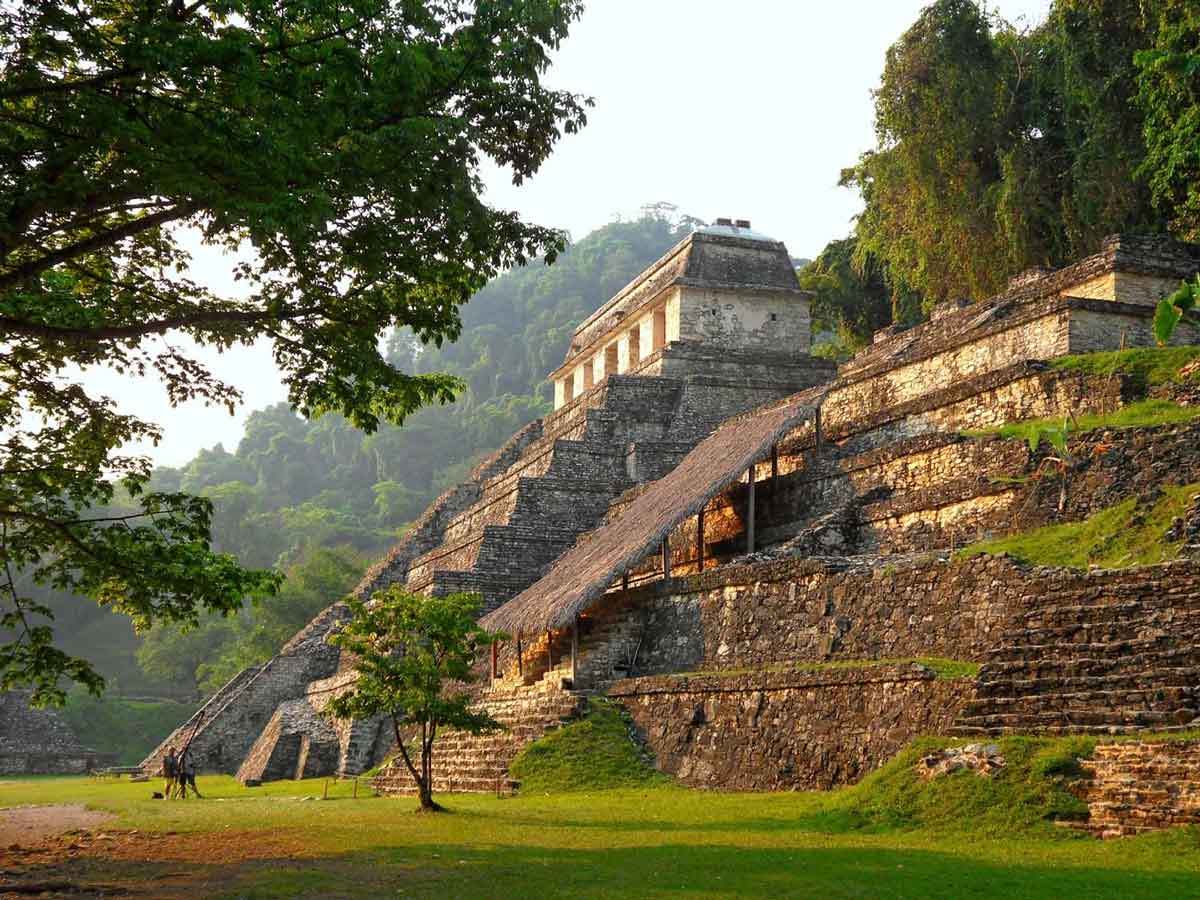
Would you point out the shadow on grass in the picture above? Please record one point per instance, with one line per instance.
(674, 870)
(671, 869)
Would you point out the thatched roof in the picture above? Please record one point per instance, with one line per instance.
(582, 575)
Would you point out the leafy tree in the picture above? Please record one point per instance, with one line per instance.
(925, 185)
(1169, 92)
(410, 651)
(202, 659)
(1000, 149)
(340, 145)
(851, 294)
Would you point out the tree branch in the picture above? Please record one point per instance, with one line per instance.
(27, 270)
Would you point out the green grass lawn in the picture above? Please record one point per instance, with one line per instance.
(964, 837)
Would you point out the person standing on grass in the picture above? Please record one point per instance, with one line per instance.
(188, 773)
(170, 772)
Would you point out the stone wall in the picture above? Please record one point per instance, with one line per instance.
(38, 741)
(786, 730)
(744, 320)
(803, 610)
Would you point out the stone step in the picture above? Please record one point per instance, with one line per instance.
(1100, 720)
(1179, 660)
(1092, 698)
(1116, 609)
(467, 762)
(1074, 685)
(1057, 650)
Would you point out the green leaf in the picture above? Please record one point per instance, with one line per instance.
(1166, 317)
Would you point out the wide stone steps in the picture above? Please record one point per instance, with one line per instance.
(1080, 719)
(479, 763)
(505, 550)
(1048, 682)
(1026, 652)
(1172, 660)
(1120, 610)
(1152, 696)
(1128, 627)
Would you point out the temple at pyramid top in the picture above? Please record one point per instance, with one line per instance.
(724, 287)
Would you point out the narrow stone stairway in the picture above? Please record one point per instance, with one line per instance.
(561, 486)
(1131, 788)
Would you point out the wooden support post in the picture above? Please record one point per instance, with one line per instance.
(774, 475)
(666, 557)
(700, 540)
(493, 660)
(520, 657)
(750, 514)
(550, 650)
(625, 581)
(574, 649)
(817, 430)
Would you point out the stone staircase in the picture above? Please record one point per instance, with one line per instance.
(1131, 788)
(467, 763)
(560, 486)
(1106, 658)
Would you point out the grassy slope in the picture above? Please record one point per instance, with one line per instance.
(1139, 414)
(1122, 535)
(1149, 366)
(595, 753)
(1026, 797)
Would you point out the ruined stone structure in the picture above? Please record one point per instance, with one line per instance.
(38, 741)
(711, 517)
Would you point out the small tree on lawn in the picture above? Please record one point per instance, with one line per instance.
(413, 654)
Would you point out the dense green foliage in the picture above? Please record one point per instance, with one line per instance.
(852, 297)
(130, 728)
(1000, 149)
(595, 753)
(412, 654)
(338, 146)
(1169, 93)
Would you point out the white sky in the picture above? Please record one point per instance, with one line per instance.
(747, 109)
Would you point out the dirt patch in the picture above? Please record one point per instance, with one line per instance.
(28, 825)
(163, 865)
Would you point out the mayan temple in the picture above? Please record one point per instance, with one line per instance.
(710, 512)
